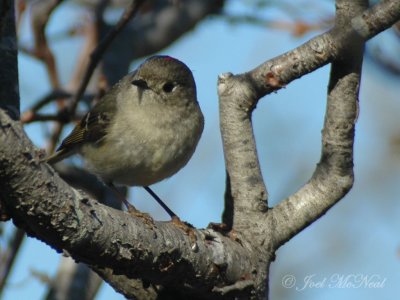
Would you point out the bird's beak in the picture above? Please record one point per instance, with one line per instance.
(140, 83)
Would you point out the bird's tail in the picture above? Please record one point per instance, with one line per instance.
(58, 156)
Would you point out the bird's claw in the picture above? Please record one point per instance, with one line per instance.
(225, 230)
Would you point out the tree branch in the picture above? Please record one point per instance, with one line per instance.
(47, 208)
(239, 95)
(78, 281)
(333, 177)
(157, 28)
(73, 281)
(8, 257)
(9, 91)
(97, 54)
(243, 171)
(41, 12)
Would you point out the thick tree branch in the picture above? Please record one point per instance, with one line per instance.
(9, 102)
(240, 93)
(78, 281)
(9, 87)
(323, 49)
(47, 208)
(243, 172)
(333, 177)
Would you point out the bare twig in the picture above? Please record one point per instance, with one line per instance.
(41, 11)
(91, 35)
(101, 48)
(31, 116)
(53, 95)
(8, 257)
(296, 28)
(239, 95)
(62, 117)
(333, 177)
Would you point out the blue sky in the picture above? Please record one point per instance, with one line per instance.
(358, 236)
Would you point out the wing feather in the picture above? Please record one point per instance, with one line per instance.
(91, 129)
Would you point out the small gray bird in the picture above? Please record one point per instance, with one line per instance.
(143, 130)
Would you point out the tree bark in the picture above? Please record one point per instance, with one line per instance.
(9, 91)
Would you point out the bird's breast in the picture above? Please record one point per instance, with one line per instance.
(145, 147)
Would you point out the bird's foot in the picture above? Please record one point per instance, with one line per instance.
(225, 230)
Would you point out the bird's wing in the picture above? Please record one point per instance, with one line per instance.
(91, 129)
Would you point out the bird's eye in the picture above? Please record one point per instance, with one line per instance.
(168, 87)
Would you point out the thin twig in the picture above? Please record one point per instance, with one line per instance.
(8, 258)
(53, 95)
(41, 12)
(101, 48)
(30, 117)
(54, 137)
(31, 114)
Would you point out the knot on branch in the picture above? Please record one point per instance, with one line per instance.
(273, 81)
(237, 91)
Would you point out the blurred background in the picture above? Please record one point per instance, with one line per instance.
(358, 239)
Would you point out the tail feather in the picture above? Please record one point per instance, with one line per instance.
(58, 156)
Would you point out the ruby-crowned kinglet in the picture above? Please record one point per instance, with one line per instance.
(143, 130)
